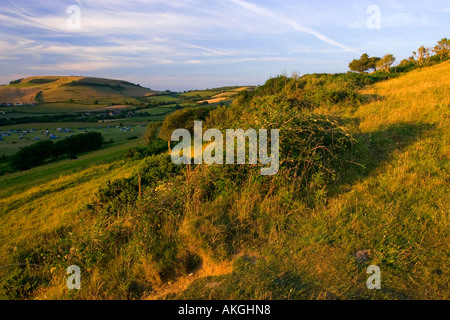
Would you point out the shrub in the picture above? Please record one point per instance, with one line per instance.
(16, 81)
(42, 81)
(151, 133)
(140, 152)
(182, 119)
(150, 172)
(21, 283)
(32, 156)
(37, 153)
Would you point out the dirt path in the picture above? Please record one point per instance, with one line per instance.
(208, 268)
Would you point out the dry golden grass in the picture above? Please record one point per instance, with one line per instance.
(420, 96)
(48, 206)
(214, 100)
(18, 95)
(241, 89)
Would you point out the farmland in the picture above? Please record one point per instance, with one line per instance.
(18, 136)
(117, 109)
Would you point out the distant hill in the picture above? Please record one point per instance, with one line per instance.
(53, 89)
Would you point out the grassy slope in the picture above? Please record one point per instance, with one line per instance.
(40, 208)
(51, 197)
(39, 176)
(55, 94)
(396, 208)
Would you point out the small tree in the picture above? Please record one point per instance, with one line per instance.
(373, 62)
(422, 55)
(60, 148)
(364, 63)
(360, 65)
(32, 155)
(386, 62)
(442, 49)
(182, 119)
(151, 132)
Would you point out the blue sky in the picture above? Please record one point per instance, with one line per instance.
(188, 44)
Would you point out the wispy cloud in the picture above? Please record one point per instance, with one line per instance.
(181, 37)
(118, 29)
(293, 24)
(80, 66)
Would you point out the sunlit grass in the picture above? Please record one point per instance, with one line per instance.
(53, 204)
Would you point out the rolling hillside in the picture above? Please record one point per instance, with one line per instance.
(217, 232)
(53, 89)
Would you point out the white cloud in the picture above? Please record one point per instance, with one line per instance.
(282, 20)
(80, 66)
(194, 34)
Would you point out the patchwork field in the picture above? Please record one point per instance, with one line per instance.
(15, 137)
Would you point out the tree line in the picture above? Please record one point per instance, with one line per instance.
(424, 55)
(36, 154)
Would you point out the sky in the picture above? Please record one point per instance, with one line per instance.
(191, 44)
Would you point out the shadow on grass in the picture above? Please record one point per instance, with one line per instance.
(374, 149)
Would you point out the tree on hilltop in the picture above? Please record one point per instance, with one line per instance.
(373, 63)
(422, 55)
(442, 49)
(386, 62)
(364, 63)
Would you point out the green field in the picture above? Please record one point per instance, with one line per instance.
(163, 110)
(164, 98)
(201, 93)
(60, 99)
(209, 93)
(22, 113)
(49, 108)
(11, 144)
(21, 181)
